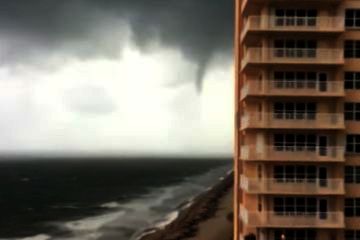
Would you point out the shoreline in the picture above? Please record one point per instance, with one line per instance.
(195, 212)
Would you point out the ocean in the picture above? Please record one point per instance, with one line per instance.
(101, 199)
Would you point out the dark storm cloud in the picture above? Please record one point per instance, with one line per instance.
(200, 28)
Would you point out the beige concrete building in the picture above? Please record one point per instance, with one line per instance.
(297, 154)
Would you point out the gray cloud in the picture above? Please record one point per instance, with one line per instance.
(85, 28)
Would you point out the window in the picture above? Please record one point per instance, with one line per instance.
(352, 80)
(295, 173)
(290, 110)
(352, 234)
(295, 17)
(352, 111)
(295, 142)
(352, 174)
(292, 234)
(295, 48)
(352, 49)
(352, 207)
(295, 79)
(352, 18)
(353, 143)
(295, 205)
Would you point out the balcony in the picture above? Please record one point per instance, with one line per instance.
(297, 88)
(274, 186)
(293, 121)
(268, 24)
(271, 153)
(245, 4)
(324, 56)
(269, 219)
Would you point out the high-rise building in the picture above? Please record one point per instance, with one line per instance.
(297, 158)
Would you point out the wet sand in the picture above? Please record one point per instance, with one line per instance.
(208, 218)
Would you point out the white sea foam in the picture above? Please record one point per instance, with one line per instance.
(142, 213)
(93, 223)
(169, 219)
(37, 237)
(188, 205)
(145, 233)
(111, 205)
(160, 225)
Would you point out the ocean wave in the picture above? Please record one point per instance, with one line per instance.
(111, 205)
(132, 219)
(168, 219)
(93, 223)
(160, 225)
(37, 237)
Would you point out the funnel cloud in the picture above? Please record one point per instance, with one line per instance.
(36, 29)
(130, 77)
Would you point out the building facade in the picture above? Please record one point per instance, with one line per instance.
(297, 138)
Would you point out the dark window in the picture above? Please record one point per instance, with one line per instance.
(291, 110)
(352, 18)
(295, 173)
(352, 111)
(352, 49)
(292, 142)
(290, 205)
(279, 110)
(295, 48)
(311, 142)
(352, 174)
(352, 235)
(279, 142)
(352, 80)
(300, 142)
(301, 205)
(353, 143)
(349, 207)
(352, 207)
(279, 173)
(298, 17)
(279, 206)
(296, 80)
(295, 205)
(311, 171)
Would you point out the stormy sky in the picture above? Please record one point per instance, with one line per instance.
(116, 76)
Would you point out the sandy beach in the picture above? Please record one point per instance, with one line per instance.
(207, 218)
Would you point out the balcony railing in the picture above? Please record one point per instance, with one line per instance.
(245, 3)
(273, 23)
(258, 55)
(299, 186)
(272, 153)
(292, 219)
(293, 120)
(293, 88)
